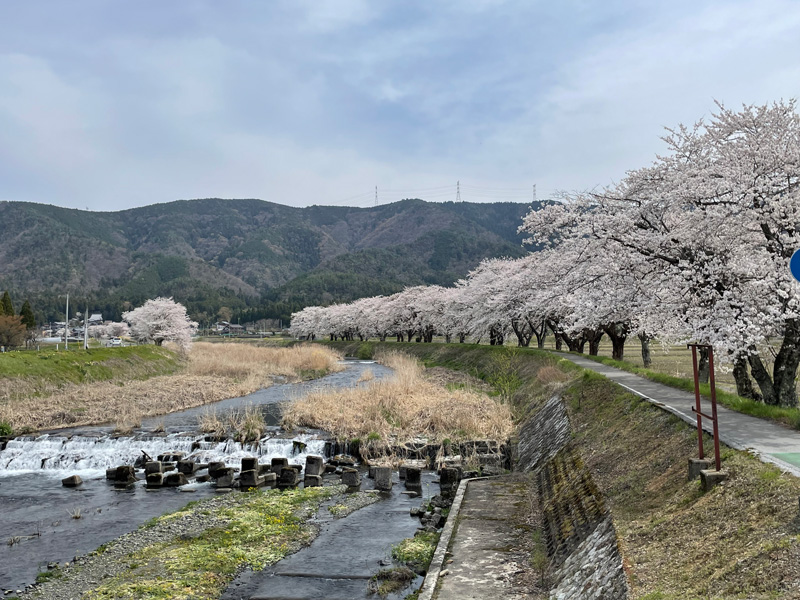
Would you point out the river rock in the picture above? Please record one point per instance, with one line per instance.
(172, 457)
(312, 481)
(125, 474)
(383, 479)
(187, 467)
(203, 478)
(225, 480)
(289, 478)
(250, 478)
(277, 464)
(154, 480)
(215, 469)
(413, 479)
(343, 460)
(351, 477)
(175, 479)
(72, 481)
(111, 474)
(249, 463)
(315, 465)
(153, 466)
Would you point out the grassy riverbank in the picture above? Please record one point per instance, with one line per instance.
(742, 539)
(49, 390)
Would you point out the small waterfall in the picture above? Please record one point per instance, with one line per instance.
(85, 453)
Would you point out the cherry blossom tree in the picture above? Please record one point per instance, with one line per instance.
(161, 320)
(712, 224)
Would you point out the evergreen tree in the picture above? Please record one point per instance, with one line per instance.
(27, 316)
(8, 308)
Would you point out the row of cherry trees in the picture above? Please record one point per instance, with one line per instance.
(695, 246)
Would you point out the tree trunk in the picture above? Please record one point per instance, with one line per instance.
(399, 337)
(703, 369)
(522, 331)
(382, 337)
(593, 336)
(559, 342)
(446, 338)
(410, 333)
(617, 333)
(647, 360)
(462, 337)
(540, 332)
(744, 385)
(764, 381)
(780, 389)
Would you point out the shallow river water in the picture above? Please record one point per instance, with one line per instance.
(37, 524)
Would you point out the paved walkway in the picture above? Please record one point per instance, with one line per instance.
(483, 559)
(771, 442)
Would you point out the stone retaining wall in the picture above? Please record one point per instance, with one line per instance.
(577, 527)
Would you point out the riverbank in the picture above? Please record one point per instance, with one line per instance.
(124, 385)
(677, 541)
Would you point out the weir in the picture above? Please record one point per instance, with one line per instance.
(85, 453)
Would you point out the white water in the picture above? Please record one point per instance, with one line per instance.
(53, 453)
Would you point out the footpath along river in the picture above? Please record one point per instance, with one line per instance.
(42, 522)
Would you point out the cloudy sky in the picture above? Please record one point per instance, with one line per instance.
(107, 105)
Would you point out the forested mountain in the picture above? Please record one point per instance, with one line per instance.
(255, 257)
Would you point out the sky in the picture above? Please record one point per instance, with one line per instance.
(107, 105)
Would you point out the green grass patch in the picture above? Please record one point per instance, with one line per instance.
(417, 552)
(49, 575)
(389, 581)
(95, 364)
(259, 529)
(787, 416)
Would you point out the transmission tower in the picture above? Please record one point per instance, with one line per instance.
(376, 195)
(458, 191)
(534, 192)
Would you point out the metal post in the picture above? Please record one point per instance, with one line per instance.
(714, 405)
(697, 402)
(66, 327)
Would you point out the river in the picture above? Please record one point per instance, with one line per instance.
(38, 514)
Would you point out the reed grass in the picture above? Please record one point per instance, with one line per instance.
(404, 406)
(245, 425)
(213, 372)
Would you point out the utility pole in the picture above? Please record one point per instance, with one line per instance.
(86, 329)
(66, 326)
(458, 192)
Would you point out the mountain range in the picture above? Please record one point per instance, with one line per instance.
(248, 255)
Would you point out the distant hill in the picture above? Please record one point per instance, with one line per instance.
(245, 254)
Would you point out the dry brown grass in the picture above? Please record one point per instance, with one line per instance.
(214, 372)
(244, 425)
(405, 406)
(366, 375)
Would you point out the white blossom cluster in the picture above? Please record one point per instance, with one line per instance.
(695, 246)
(161, 320)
